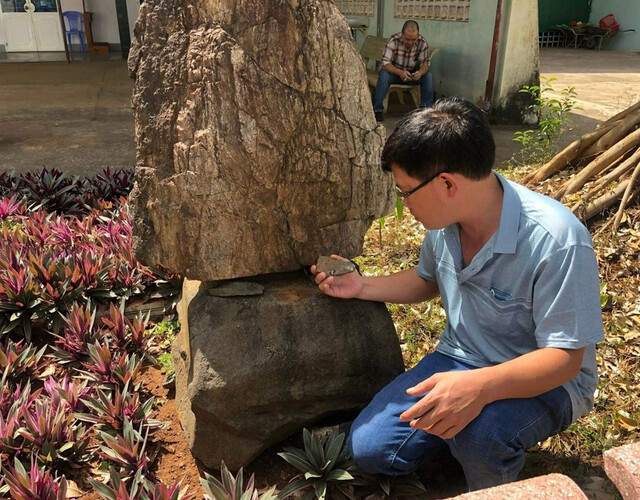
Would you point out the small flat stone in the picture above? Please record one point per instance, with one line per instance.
(334, 267)
(236, 289)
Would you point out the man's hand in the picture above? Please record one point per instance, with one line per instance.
(454, 400)
(346, 286)
(405, 75)
(416, 76)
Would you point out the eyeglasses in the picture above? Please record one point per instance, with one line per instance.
(403, 195)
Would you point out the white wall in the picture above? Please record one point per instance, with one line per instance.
(3, 37)
(627, 13)
(104, 24)
(518, 56)
(133, 9)
(71, 5)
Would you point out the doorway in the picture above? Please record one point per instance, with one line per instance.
(32, 25)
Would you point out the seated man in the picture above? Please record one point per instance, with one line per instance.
(405, 61)
(518, 279)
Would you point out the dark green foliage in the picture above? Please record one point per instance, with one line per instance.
(232, 487)
(326, 468)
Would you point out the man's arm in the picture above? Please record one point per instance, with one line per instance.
(404, 287)
(455, 398)
(404, 74)
(424, 61)
(421, 72)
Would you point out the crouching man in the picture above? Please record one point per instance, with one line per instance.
(518, 279)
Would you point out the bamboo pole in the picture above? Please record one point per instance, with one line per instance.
(616, 173)
(567, 155)
(605, 201)
(599, 164)
(626, 197)
(623, 113)
(620, 130)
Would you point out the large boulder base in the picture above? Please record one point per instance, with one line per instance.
(253, 370)
(257, 148)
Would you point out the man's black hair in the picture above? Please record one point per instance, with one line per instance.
(411, 26)
(453, 136)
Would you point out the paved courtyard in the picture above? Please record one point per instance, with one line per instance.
(77, 117)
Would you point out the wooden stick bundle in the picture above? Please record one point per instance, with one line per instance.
(611, 172)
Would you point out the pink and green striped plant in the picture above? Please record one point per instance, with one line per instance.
(109, 409)
(36, 483)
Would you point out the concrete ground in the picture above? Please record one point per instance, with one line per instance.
(74, 117)
(77, 117)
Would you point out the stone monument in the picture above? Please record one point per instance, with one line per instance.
(257, 151)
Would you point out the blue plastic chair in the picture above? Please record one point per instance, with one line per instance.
(73, 26)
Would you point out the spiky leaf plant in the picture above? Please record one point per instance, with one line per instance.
(110, 369)
(108, 409)
(35, 483)
(20, 362)
(20, 300)
(67, 393)
(326, 467)
(11, 207)
(232, 487)
(11, 443)
(126, 334)
(139, 488)
(391, 488)
(52, 435)
(126, 450)
(79, 333)
(173, 491)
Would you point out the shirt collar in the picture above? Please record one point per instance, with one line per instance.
(507, 237)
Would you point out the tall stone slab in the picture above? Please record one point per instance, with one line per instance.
(251, 370)
(257, 148)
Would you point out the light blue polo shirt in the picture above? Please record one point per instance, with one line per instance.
(533, 284)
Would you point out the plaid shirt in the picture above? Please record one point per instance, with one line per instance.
(396, 53)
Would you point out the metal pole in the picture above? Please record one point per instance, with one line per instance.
(380, 19)
(123, 27)
(488, 91)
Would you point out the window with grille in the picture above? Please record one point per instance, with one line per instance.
(441, 10)
(356, 7)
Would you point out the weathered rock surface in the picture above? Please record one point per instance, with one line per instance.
(257, 148)
(251, 371)
(550, 487)
(236, 289)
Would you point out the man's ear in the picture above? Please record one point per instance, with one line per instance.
(451, 184)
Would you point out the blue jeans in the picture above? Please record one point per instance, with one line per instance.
(491, 449)
(386, 79)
